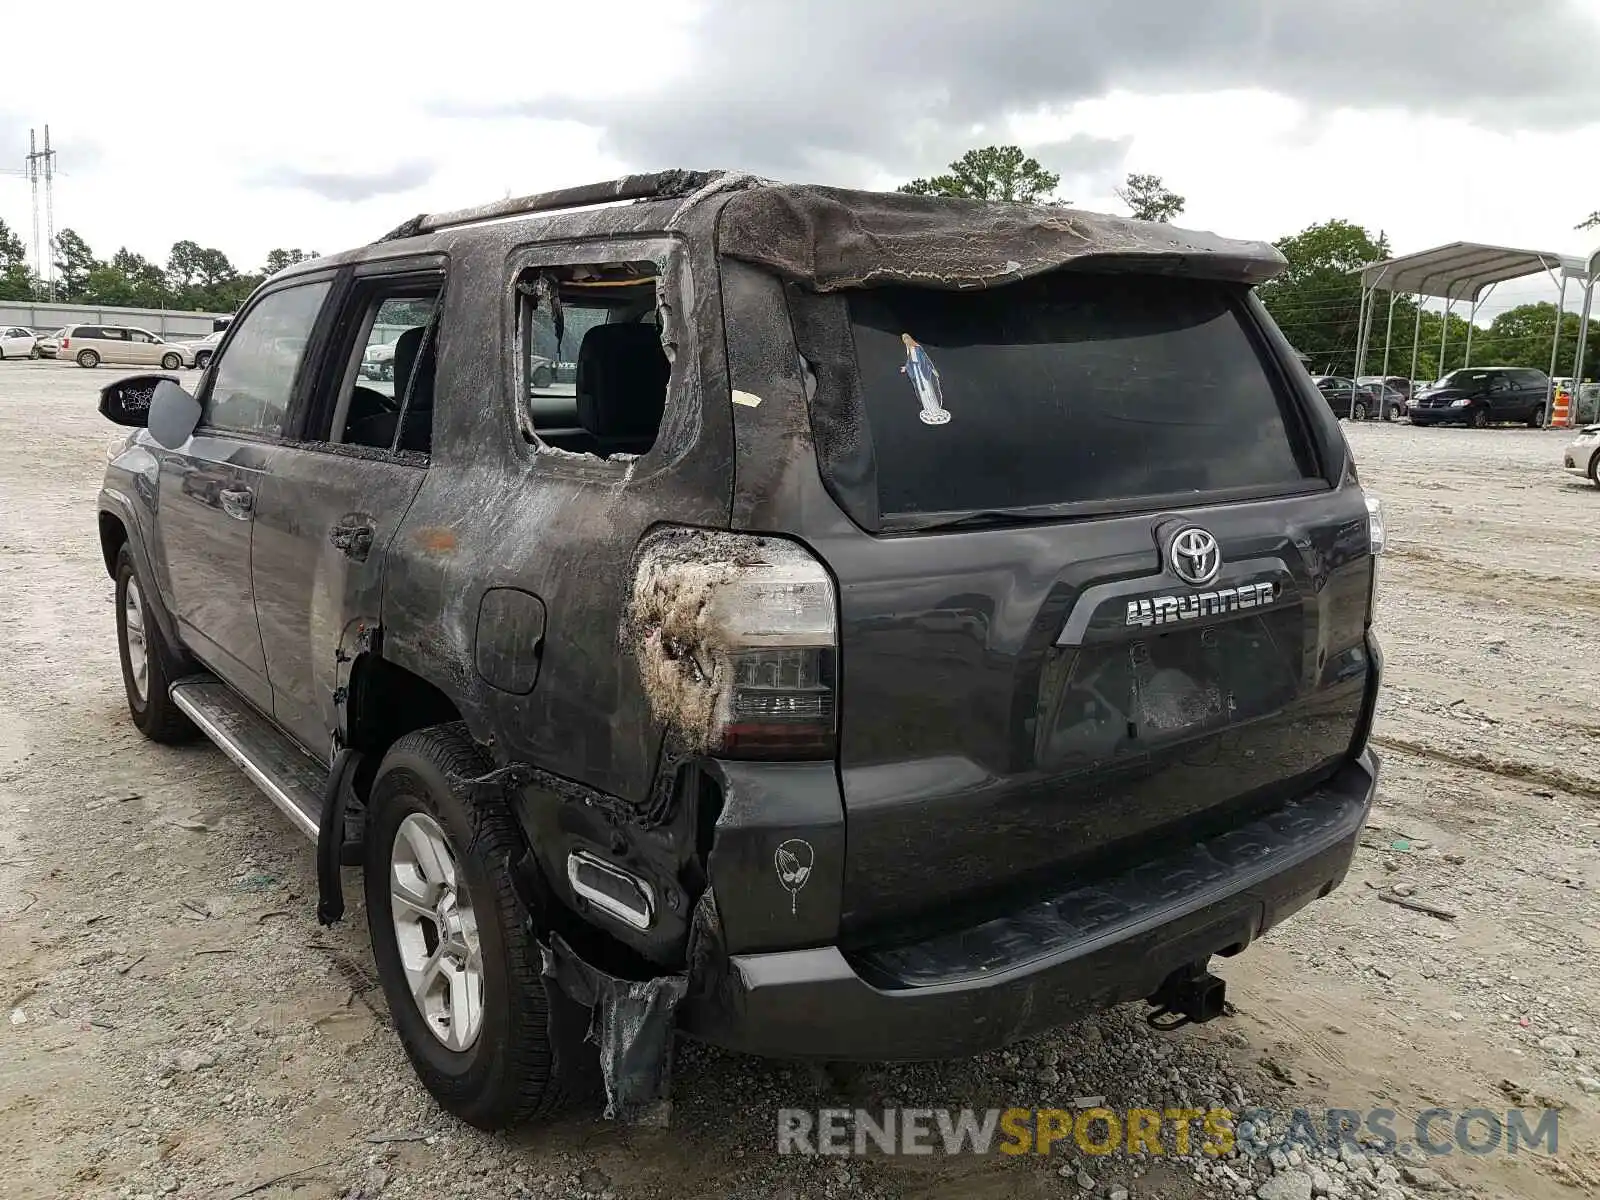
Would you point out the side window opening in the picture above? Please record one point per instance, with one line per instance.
(386, 391)
(593, 372)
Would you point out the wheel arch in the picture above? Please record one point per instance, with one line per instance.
(113, 535)
(385, 701)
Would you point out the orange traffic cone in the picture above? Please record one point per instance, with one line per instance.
(1561, 414)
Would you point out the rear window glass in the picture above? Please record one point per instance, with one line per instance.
(1068, 389)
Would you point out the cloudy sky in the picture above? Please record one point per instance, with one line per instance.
(321, 125)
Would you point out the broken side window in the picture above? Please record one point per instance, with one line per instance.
(594, 374)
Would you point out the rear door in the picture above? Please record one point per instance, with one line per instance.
(1534, 391)
(329, 509)
(114, 346)
(1505, 404)
(1099, 590)
(210, 486)
(143, 347)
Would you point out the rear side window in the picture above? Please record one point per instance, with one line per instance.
(594, 373)
(1069, 389)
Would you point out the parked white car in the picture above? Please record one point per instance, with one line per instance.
(377, 362)
(17, 342)
(91, 345)
(202, 349)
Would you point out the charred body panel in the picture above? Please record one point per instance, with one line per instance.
(495, 513)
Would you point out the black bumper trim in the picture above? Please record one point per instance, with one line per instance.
(966, 992)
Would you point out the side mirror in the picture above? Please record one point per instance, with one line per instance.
(173, 413)
(127, 401)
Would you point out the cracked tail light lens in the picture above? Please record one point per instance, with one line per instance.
(775, 618)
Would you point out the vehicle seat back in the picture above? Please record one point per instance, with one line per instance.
(622, 386)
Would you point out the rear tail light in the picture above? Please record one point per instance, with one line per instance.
(1375, 528)
(738, 644)
(65, 342)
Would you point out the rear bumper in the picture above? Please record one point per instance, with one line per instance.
(1439, 416)
(1067, 955)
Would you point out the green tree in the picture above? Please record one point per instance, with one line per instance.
(181, 265)
(74, 263)
(1521, 336)
(202, 278)
(991, 173)
(1149, 199)
(280, 260)
(142, 282)
(16, 281)
(1317, 299)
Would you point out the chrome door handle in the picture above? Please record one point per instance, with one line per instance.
(238, 503)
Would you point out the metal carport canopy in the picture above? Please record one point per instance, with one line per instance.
(1459, 271)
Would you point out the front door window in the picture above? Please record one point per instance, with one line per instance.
(251, 383)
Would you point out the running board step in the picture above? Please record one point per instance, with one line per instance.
(292, 780)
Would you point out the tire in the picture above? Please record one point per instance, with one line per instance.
(200, 360)
(88, 358)
(139, 638)
(1536, 419)
(1594, 468)
(1391, 413)
(523, 1059)
(1479, 418)
(171, 362)
(34, 353)
(1359, 412)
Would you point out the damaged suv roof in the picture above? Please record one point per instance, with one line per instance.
(829, 238)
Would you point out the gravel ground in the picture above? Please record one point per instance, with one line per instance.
(180, 1025)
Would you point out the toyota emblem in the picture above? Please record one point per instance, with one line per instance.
(1195, 556)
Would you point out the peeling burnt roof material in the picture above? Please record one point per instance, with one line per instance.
(661, 185)
(830, 239)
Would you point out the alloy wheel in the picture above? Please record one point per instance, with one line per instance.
(436, 932)
(138, 646)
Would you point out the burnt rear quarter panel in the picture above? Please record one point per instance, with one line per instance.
(495, 512)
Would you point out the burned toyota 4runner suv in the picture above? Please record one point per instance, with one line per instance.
(818, 622)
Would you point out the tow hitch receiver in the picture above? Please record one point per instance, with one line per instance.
(1189, 994)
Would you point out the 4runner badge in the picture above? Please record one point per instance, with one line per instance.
(1167, 610)
(794, 859)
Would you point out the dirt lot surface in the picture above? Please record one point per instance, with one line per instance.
(176, 1022)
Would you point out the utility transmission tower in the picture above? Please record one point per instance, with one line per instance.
(42, 165)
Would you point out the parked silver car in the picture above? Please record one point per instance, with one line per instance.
(202, 349)
(1582, 454)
